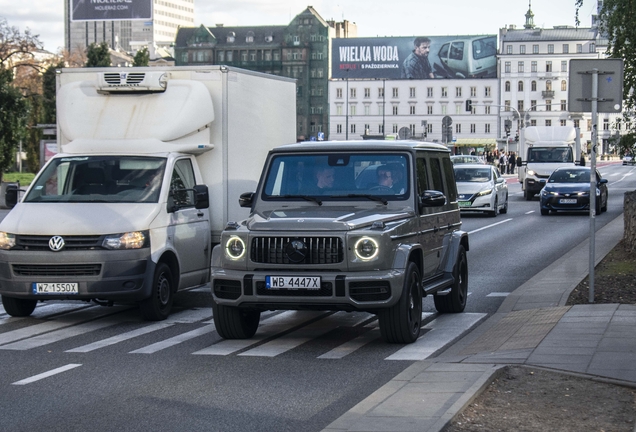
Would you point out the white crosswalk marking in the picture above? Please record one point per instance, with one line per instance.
(268, 328)
(120, 338)
(151, 349)
(442, 331)
(304, 334)
(498, 294)
(47, 374)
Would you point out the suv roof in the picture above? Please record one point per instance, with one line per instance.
(361, 145)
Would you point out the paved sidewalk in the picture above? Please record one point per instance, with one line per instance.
(532, 327)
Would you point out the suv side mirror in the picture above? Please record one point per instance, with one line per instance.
(201, 197)
(432, 198)
(245, 200)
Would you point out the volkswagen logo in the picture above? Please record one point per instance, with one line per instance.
(56, 243)
(296, 251)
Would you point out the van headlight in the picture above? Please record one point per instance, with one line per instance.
(129, 240)
(235, 248)
(366, 248)
(7, 241)
(531, 172)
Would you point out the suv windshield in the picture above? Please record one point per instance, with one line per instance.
(338, 175)
(111, 179)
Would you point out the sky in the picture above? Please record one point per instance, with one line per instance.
(373, 17)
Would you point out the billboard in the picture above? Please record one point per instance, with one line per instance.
(110, 10)
(415, 57)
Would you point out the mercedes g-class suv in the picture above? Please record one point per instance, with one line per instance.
(352, 226)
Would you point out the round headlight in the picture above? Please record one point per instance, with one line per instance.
(235, 248)
(366, 248)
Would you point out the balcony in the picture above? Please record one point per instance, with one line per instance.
(548, 94)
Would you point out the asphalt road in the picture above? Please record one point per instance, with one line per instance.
(74, 366)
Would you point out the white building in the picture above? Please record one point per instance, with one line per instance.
(129, 35)
(533, 72)
(386, 107)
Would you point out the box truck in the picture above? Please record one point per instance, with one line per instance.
(150, 166)
(542, 150)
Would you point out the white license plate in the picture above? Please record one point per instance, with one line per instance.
(56, 288)
(567, 201)
(464, 203)
(292, 282)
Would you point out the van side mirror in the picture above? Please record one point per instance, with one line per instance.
(432, 198)
(11, 194)
(245, 200)
(519, 163)
(201, 197)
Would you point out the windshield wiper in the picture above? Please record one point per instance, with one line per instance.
(368, 196)
(305, 197)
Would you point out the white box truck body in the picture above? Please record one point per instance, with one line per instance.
(544, 149)
(150, 166)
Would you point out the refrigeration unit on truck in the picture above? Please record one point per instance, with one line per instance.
(150, 166)
(542, 150)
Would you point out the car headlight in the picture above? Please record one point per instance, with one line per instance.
(235, 248)
(485, 192)
(129, 240)
(531, 172)
(366, 248)
(7, 241)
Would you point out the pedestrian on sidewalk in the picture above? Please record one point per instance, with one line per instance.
(512, 161)
(503, 163)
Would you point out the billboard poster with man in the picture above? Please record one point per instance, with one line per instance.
(110, 10)
(421, 57)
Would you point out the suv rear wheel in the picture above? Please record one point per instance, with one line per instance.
(234, 323)
(401, 323)
(455, 300)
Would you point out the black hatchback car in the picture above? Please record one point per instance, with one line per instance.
(568, 189)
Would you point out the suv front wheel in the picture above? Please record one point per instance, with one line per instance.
(234, 323)
(401, 323)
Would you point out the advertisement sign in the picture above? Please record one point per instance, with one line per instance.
(110, 10)
(415, 57)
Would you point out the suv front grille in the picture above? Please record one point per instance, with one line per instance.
(57, 269)
(41, 242)
(279, 250)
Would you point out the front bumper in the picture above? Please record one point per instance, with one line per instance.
(476, 203)
(350, 291)
(534, 185)
(554, 203)
(100, 274)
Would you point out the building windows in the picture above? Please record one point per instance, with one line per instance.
(473, 128)
(520, 86)
(507, 86)
(395, 110)
(338, 93)
(412, 129)
(519, 105)
(352, 109)
(577, 123)
(395, 128)
(444, 109)
(548, 66)
(487, 128)
(339, 128)
(429, 128)
(562, 122)
(381, 92)
(548, 85)
(352, 93)
(458, 108)
(548, 122)
(412, 109)
(566, 48)
(533, 86)
(564, 105)
(522, 49)
(395, 92)
(592, 47)
(458, 92)
(564, 85)
(509, 49)
(380, 128)
(339, 109)
(458, 128)
(533, 122)
(507, 105)
(507, 67)
(533, 105)
(353, 128)
(564, 65)
(548, 105)
(473, 92)
(520, 66)
(605, 124)
(429, 92)
(381, 109)
(444, 91)
(535, 49)
(411, 92)
(533, 66)
(579, 48)
(429, 109)
(367, 93)
(550, 48)
(486, 109)
(367, 110)
(487, 92)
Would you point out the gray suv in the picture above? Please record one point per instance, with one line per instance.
(352, 226)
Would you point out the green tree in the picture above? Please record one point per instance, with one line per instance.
(14, 113)
(142, 57)
(98, 55)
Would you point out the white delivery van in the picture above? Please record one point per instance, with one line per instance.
(542, 150)
(151, 164)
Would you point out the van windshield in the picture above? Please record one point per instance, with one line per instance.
(334, 176)
(550, 154)
(109, 179)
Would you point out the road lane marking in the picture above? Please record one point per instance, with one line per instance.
(489, 226)
(530, 212)
(47, 374)
(153, 348)
(443, 330)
